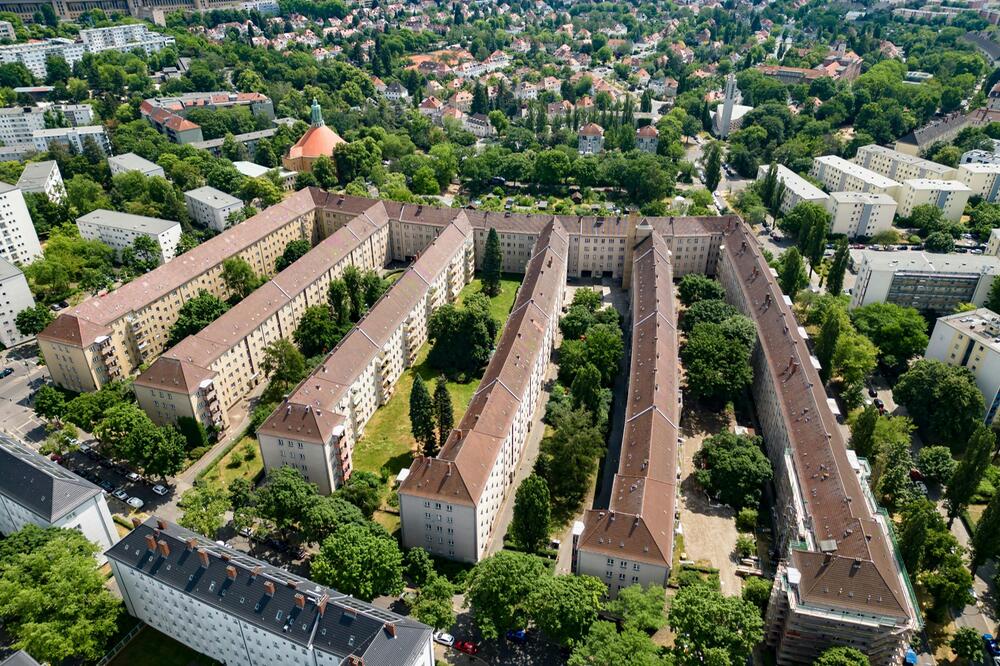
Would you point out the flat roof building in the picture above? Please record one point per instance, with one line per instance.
(239, 610)
(15, 295)
(859, 214)
(971, 340)
(948, 195)
(981, 179)
(72, 137)
(839, 175)
(900, 166)
(119, 230)
(18, 240)
(928, 282)
(36, 491)
(131, 162)
(42, 177)
(796, 188)
(211, 207)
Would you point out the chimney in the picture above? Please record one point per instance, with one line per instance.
(231, 572)
(191, 543)
(151, 543)
(300, 600)
(390, 629)
(136, 522)
(255, 571)
(268, 588)
(161, 524)
(164, 548)
(203, 556)
(321, 606)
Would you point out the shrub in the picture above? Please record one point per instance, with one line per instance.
(746, 545)
(746, 519)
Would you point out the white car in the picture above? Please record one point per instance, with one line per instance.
(135, 503)
(444, 638)
(120, 494)
(160, 490)
(133, 477)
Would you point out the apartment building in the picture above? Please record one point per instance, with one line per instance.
(242, 611)
(930, 282)
(15, 295)
(981, 178)
(36, 491)
(211, 207)
(76, 115)
(316, 428)
(980, 157)
(43, 178)
(125, 39)
(796, 188)
(859, 214)
(590, 139)
(127, 162)
(7, 30)
(901, 166)
(122, 38)
(647, 138)
(18, 123)
(971, 340)
(253, 170)
(449, 504)
(19, 658)
(74, 138)
(119, 230)
(948, 195)
(631, 542)
(33, 54)
(839, 175)
(840, 581)
(208, 372)
(18, 240)
(167, 114)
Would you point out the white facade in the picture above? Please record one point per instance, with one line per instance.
(33, 54)
(124, 38)
(36, 491)
(44, 178)
(18, 124)
(18, 240)
(948, 195)
(119, 230)
(839, 175)
(77, 115)
(797, 189)
(131, 162)
(981, 179)
(15, 295)
(211, 207)
(7, 30)
(900, 166)
(859, 214)
(71, 136)
(969, 339)
(930, 282)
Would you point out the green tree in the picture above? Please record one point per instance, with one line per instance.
(948, 585)
(363, 490)
(358, 561)
(936, 464)
(294, 251)
(993, 298)
(604, 645)
(733, 468)
(717, 367)
(842, 656)
(713, 165)
(195, 315)
(564, 607)
(919, 518)
(899, 333)
(325, 172)
(317, 333)
(970, 471)
(444, 413)
(422, 417)
(986, 538)
(529, 527)
(586, 389)
(703, 619)
(854, 359)
(204, 508)
(284, 364)
(826, 343)
(944, 400)
(757, 591)
(241, 493)
(863, 431)
(499, 589)
(462, 337)
(50, 403)
(492, 264)
(967, 644)
(694, 287)
(239, 277)
(568, 458)
(433, 605)
(32, 321)
(640, 608)
(419, 566)
(940, 242)
(713, 310)
(792, 276)
(285, 497)
(835, 275)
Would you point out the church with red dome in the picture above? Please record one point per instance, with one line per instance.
(318, 140)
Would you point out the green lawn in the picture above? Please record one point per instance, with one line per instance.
(387, 441)
(236, 463)
(151, 648)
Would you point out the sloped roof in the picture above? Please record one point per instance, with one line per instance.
(38, 484)
(315, 142)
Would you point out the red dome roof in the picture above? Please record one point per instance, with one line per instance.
(315, 142)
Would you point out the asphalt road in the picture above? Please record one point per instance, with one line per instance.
(17, 416)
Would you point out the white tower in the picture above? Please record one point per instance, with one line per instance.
(727, 106)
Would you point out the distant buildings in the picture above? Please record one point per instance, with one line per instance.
(239, 610)
(42, 177)
(647, 138)
(971, 340)
(943, 130)
(590, 139)
(131, 162)
(840, 64)
(18, 240)
(74, 138)
(15, 295)
(253, 170)
(20, 125)
(901, 166)
(927, 282)
(318, 141)
(36, 491)
(211, 207)
(119, 230)
(728, 117)
(123, 38)
(167, 114)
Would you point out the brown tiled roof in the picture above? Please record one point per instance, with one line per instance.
(72, 330)
(174, 375)
(639, 523)
(647, 131)
(462, 468)
(858, 571)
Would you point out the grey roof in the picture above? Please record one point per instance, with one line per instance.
(38, 484)
(213, 197)
(19, 658)
(328, 620)
(35, 174)
(923, 262)
(133, 162)
(138, 223)
(238, 138)
(8, 270)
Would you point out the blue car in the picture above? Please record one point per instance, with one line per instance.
(517, 636)
(991, 645)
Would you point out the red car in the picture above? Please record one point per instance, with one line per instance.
(468, 647)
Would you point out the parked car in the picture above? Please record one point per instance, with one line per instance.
(6, 372)
(444, 638)
(879, 405)
(872, 393)
(106, 486)
(517, 636)
(991, 645)
(161, 490)
(56, 458)
(135, 503)
(133, 477)
(468, 647)
(120, 494)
